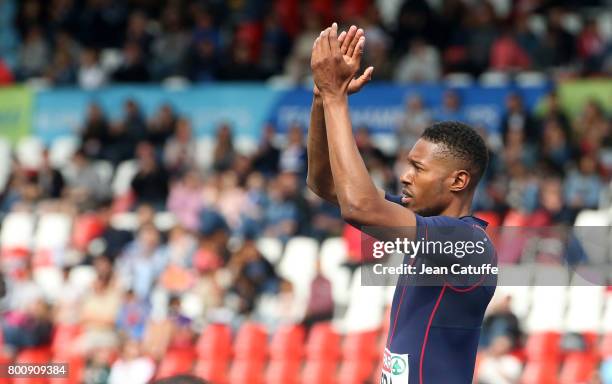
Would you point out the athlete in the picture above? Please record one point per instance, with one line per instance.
(434, 328)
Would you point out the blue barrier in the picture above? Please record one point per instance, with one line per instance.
(59, 112)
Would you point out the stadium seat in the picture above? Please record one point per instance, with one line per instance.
(298, 265)
(126, 221)
(215, 342)
(176, 361)
(355, 372)
(6, 163)
(82, 277)
(63, 336)
(251, 342)
(34, 355)
(126, 171)
(283, 372)
(540, 372)
(332, 255)
(543, 346)
(288, 343)
(578, 367)
(17, 230)
(494, 79)
(605, 348)
(366, 306)
(29, 152)
(164, 221)
(271, 248)
(213, 370)
(360, 346)
(547, 308)
(247, 371)
(50, 280)
(62, 149)
(51, 239)
(245, 145)
(585, 303)
(320, 372)
(530, 79)
(459, 79)
(387, 143)
(323, 343)
(86, 228)
(592, 218)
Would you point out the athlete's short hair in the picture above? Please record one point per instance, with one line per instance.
(463, 142)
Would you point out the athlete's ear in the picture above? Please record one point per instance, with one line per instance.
(460, 180)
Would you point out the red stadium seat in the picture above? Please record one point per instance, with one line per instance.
(36, 355)
(578, 367)
(176, 361)
(540, 372)
(215, 342)
(214, 371)
(320, 372)
(360, 346)
(606, 345)
(288, 343)
(543, 346)
(251, 342)
(355, 372)
(86, 228)
(64, 336)
(247, 371)
(323, 343)
(283, 372)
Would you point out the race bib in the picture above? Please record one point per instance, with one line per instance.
(395, 368)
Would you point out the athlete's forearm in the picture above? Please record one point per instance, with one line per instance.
(353, 186)
(319, 178)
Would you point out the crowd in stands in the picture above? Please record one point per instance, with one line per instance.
(547, 167)
(92, 43)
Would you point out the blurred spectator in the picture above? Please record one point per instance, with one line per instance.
(552, 210)
(169, 47)
(298, 62)
(143, 261)
(102, 23)
(68, 301)
(203, 60)
(99, 311)
(136, 31)
(214, 234)
(224, 152)
(83, 183)
(111, 240)
(132, 366)
(552, 109)
(62, 70)
(180, 247)
(555, 148)
(508, 55)
(162, 333)
(320, 305)
(150, 184)
(49, 180)
(482, 32)
(420, 64)
(133, 68)
(91, 74)
(240, 66)
(266, 158)
(376, 52)
(253, 276)
(293, 155)
(161, 127)
(517, 118)
(522, 189)
(592, 128)
(180, 148)
(281, 214)
(132, 316)
(416, 119)
(498, 365)
(275, 45)
(557, 48)
(186, 200)
(451, 108)
(95, 132)
(591, 47)
(326, 220)
(501, 322)
(33, 54)
(583, 185)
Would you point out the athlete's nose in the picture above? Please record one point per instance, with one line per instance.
(407, 176)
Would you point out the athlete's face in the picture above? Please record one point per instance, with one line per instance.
(428, 180)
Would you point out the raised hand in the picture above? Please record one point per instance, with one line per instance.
(348, 42)
(333, 71)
